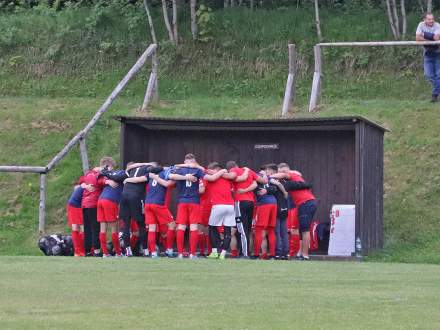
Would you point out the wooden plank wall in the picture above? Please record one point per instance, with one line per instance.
(326, 158)
(371, 185)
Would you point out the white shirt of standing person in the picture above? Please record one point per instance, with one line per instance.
(434, 29)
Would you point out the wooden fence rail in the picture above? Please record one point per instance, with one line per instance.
(317, 75)
(80, 137)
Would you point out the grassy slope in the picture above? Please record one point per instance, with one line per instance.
(174, 294)
(40, 110)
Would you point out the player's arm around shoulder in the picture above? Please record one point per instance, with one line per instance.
(215, 176)
(249, 188)
(243, 177)
(230, 176)
(161, 181)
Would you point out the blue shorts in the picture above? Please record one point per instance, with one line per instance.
(306, 212)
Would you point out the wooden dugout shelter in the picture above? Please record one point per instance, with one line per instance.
(341, 156)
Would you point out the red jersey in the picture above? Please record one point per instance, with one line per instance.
(300, 196)
(221, 192)
(249, 196)
(205, 198)
(90, 198)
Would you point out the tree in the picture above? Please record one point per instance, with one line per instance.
(318, 21)
(194, 27)
(171, 27)
(150, 22)
(429, 6)
(398, 24)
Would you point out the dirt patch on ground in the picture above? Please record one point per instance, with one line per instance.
(47, 126)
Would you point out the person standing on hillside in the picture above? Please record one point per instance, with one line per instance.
(429, 30)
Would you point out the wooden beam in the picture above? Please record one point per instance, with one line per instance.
(42, 207)
(155, 69)
(152, 89)
(378, 43)
(316, 85)
(84, 156)
(121, 85)
(289, 93)
(23, 169)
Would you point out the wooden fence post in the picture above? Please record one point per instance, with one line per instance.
(152, 90)
(289, 93)
(42, 207)
(84, 156)
(316, 85)
(155, 69)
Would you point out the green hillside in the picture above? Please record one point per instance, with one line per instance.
(57, 68)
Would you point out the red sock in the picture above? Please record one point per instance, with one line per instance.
(272, 241)
(116, 246)
(133, 241)
(152, 241)
(234, 253)
(180, 240)
(202, 243)
(258, 241)
(208, 243)
(82, 250)
(291, 245)
(75, 240)
(193, 240)
(264, 256)
(103, 241)
(171, 233)
(294, 245)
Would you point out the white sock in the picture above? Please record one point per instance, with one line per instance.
(214, 250)
(146, 252)
(154, 253)
(223, 252)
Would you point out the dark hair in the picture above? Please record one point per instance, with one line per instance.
(263, 167)
(280, 165)
(214, 165)
(231, 164)
(272, 167)
(189, 157)
(106, 161)
(427, 13)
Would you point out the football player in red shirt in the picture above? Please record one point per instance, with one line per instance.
(244, 198)
(222, 212)
(92, 183)
(205, 212)
(305, 201)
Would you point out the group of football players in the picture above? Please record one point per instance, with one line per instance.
(226, 209)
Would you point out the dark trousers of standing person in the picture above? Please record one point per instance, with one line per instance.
(216, 241)
(142, 240)
(431, 64)
(245, 213)
(131, 207)
(282, 246)
(91, 230)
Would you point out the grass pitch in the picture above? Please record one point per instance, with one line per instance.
(89, 293)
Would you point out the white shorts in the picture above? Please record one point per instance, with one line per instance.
(222, 215)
